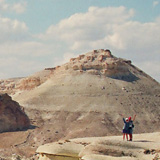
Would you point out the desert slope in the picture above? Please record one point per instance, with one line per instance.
(90, 91)
(82, 98)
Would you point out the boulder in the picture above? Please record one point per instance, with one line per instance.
(12, 116)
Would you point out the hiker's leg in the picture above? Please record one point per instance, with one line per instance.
(130, 137)
(123, 136)
(127, 136)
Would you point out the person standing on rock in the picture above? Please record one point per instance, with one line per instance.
(125, 127)
(131, 126)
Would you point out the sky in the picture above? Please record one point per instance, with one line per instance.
(37, 34)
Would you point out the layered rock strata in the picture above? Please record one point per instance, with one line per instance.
(101, 62)
(14, 85)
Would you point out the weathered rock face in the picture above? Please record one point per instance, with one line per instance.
(14, 85)
(102, 148)
(29, 83)
(12, 117)
(33, 81)
(8, 86)
(101, 62)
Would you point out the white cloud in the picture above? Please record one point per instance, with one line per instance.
(151, 68)
(30, 48)
(19, 7)
(110, 27)
(15, 7)
(3, 6)
(144, 36)
(65, 59)
(18, 67)
(105, 27)
(90, 25)
(155, 3)
(12, 30)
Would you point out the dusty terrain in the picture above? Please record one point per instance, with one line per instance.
(82, 98)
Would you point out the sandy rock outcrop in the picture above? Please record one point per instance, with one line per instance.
(12, 116)
(28, 83)
(33, 81)
(101, 62)
(144, 147)
(68, 150)
(16, 85)
(8, 85)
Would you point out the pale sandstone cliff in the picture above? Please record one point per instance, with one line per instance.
(15, 85)
(144, 147)
(101, 62)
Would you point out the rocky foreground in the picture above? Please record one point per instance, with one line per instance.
(82, 98)
(144, 147)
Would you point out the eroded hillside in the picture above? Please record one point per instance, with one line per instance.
(83, 98)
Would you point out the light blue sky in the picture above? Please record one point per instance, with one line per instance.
(40, 14)
(43, 33)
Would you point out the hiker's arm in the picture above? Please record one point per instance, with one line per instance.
(123, 118)
(134, 117)
(121, 115)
